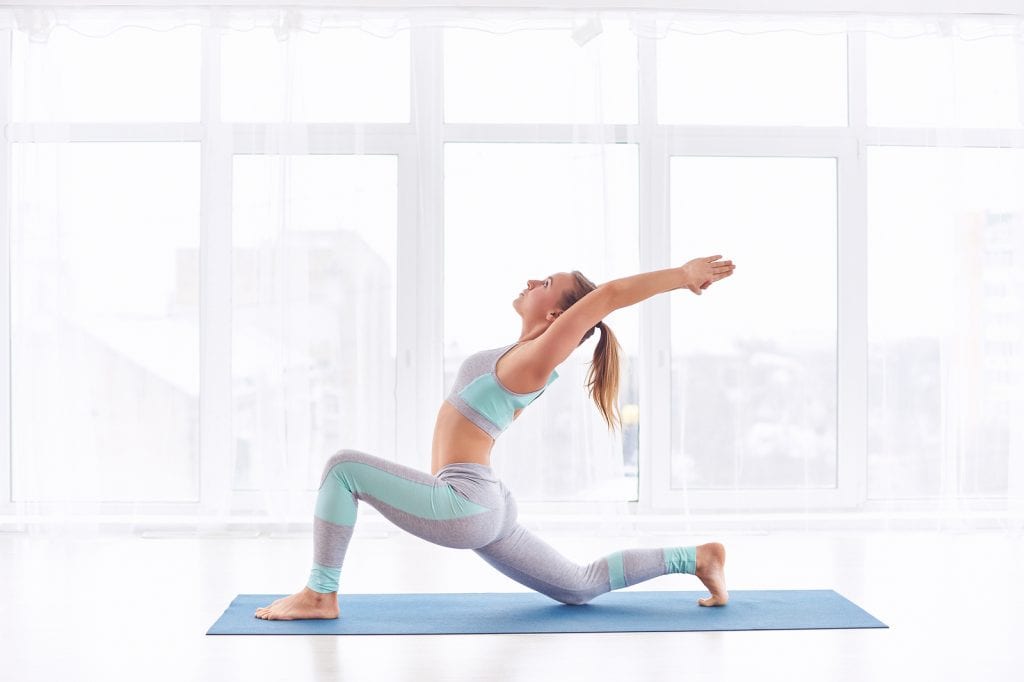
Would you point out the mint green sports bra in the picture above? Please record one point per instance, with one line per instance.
(479, 396)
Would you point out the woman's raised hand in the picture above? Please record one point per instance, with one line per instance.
(699, 273)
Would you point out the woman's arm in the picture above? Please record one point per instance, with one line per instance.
(696, 276)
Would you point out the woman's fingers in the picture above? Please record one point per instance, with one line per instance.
(714, 271)
(722, 272)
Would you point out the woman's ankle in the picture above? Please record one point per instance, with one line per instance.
(319, 595)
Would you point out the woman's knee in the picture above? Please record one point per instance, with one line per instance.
(341, 456)
(573, 597)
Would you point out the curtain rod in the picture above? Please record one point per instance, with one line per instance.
(816, 7)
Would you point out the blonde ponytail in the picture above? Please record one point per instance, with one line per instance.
(603, 375)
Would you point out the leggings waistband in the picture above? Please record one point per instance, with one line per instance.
(471, 468)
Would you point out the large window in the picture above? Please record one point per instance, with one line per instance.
(240, 245)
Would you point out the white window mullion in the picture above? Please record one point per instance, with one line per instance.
(421, 256)
(852, 358)
(216, 440)
(540, 133)
(319, 138)
(6, 455)
(934, 137)
(655, 339)
(409, 348)
(60, 133)
(1015, 464)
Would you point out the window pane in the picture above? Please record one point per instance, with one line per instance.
(936, 81)
(313, 322)
(945, 320)
(780, 78)
(514, 212)
(105, 329)
(754, 356)
(132, 75)
(336, 75)
(541, 76)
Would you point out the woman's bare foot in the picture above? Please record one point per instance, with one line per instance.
(711, 571)
(305, 604)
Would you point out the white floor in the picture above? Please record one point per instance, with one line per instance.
(135, 608)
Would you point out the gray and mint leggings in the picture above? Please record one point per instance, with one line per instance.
(466, 507)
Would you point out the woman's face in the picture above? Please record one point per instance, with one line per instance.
(541, 296)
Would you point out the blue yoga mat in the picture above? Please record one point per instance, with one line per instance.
(443, 613)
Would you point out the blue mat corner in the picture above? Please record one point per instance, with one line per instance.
(439, 613)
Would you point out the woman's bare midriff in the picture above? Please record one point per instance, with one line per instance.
(456, 439)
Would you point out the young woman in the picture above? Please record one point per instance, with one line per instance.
(461, 503)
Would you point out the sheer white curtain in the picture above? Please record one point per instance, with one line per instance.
(241, 239)
(867, 357)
